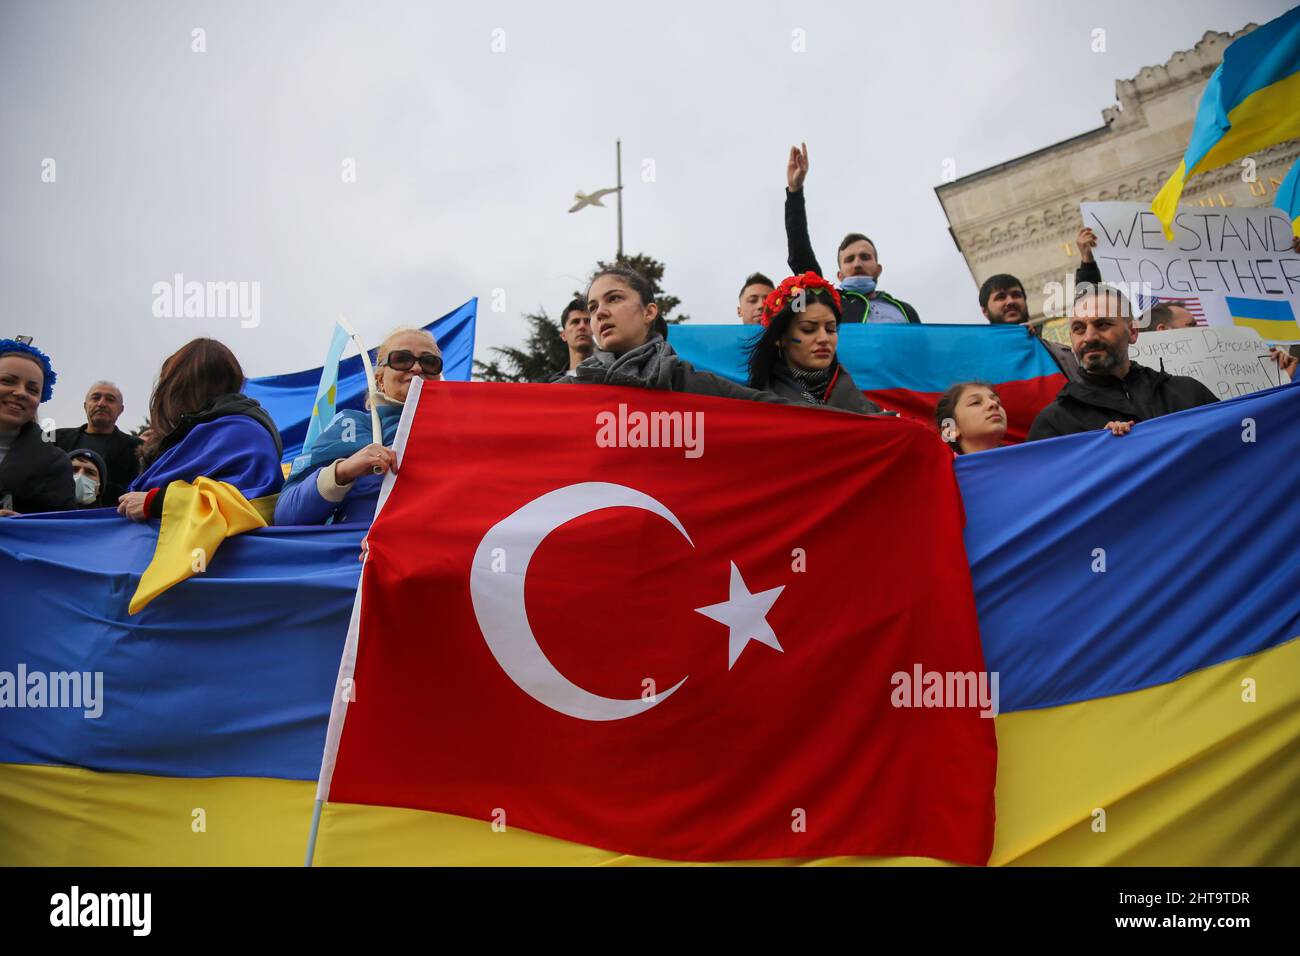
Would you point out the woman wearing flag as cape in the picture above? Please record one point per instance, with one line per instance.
(204, 426)
(339, 481)
(795, 356)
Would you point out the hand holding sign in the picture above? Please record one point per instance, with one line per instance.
(1241, 265)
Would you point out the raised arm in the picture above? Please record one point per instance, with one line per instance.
(800, 256)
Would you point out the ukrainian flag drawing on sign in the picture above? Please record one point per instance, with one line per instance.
(1273, 319)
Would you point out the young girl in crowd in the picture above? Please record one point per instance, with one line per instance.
(971, 418)
(35, 475)
(339, 480)
(795, 356)
(631, 347)
(202, 426)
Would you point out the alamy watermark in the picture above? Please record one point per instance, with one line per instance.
(76, 908)
(922, 688)
(624, 429)
(179, 299)
(83, 690)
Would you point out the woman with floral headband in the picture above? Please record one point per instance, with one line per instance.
(795, 356)
(631, 347)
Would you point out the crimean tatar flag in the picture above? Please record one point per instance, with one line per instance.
(1251, 102)
(1288, 197)
(322, 410)
(681, 627)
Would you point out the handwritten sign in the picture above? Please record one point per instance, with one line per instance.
(1234, 267)
(1229, 361)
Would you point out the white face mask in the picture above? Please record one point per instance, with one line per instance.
(87, 489)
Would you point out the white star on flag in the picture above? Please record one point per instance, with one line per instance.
(745, 614)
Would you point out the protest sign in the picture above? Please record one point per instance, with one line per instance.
(1229, 361)
(1233, 267)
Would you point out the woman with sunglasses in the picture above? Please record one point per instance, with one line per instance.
(338, 481)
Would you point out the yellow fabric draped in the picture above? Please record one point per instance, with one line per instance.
(1187, 773)
(196, 518)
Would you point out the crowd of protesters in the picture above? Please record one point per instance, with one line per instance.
(201, 425)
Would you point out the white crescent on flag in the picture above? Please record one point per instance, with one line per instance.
(498, 596)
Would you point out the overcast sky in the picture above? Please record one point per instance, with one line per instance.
(228, 164)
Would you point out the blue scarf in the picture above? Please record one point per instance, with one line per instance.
(331, 446)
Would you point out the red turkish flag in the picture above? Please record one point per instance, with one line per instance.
(684, 652)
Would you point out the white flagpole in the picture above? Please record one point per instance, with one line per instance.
(344, 688)
(376, 429)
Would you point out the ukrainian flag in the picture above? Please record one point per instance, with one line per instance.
(1273, 319)
(1144, 626)
(1251, 102)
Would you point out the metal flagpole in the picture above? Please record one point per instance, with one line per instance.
(618, 161)
(311, 837)
(347, 665)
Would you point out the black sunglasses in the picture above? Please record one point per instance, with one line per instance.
(403, 359)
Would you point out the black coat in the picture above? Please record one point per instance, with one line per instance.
(37, 474)
(119, 451)
(1094, 400)
(801, 259)
(844, 395)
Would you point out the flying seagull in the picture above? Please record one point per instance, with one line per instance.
(593, 199)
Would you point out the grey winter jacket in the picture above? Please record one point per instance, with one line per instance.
(654, 364)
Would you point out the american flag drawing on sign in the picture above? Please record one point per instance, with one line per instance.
(1145, 302)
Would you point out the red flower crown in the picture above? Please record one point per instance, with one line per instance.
(810, 283)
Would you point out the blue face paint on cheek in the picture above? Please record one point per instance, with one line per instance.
(794, 341)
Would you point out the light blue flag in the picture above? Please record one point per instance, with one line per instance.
(288, 396)
(322, 412)
(1288, 197)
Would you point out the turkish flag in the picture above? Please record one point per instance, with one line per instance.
(669, 625)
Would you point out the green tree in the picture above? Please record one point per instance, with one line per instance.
(544, 352)
(653, 270)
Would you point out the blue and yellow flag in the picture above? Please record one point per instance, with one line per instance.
(1251, 102)
(1273, 319)
(322, 411)
(1146, 628)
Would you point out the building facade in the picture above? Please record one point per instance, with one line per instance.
(1022, 216)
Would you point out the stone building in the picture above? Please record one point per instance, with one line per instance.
(1022, 216)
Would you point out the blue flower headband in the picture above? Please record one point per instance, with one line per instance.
(13, 346)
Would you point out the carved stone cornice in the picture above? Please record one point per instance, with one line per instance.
(1184, 68)
(1058, 218)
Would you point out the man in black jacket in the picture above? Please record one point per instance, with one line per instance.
(101, 435)
(859, 266)
(1113, 392)
(1003, 302)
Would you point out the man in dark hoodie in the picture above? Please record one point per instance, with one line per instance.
(859, 265)
(90, 478)
(1112, 392)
